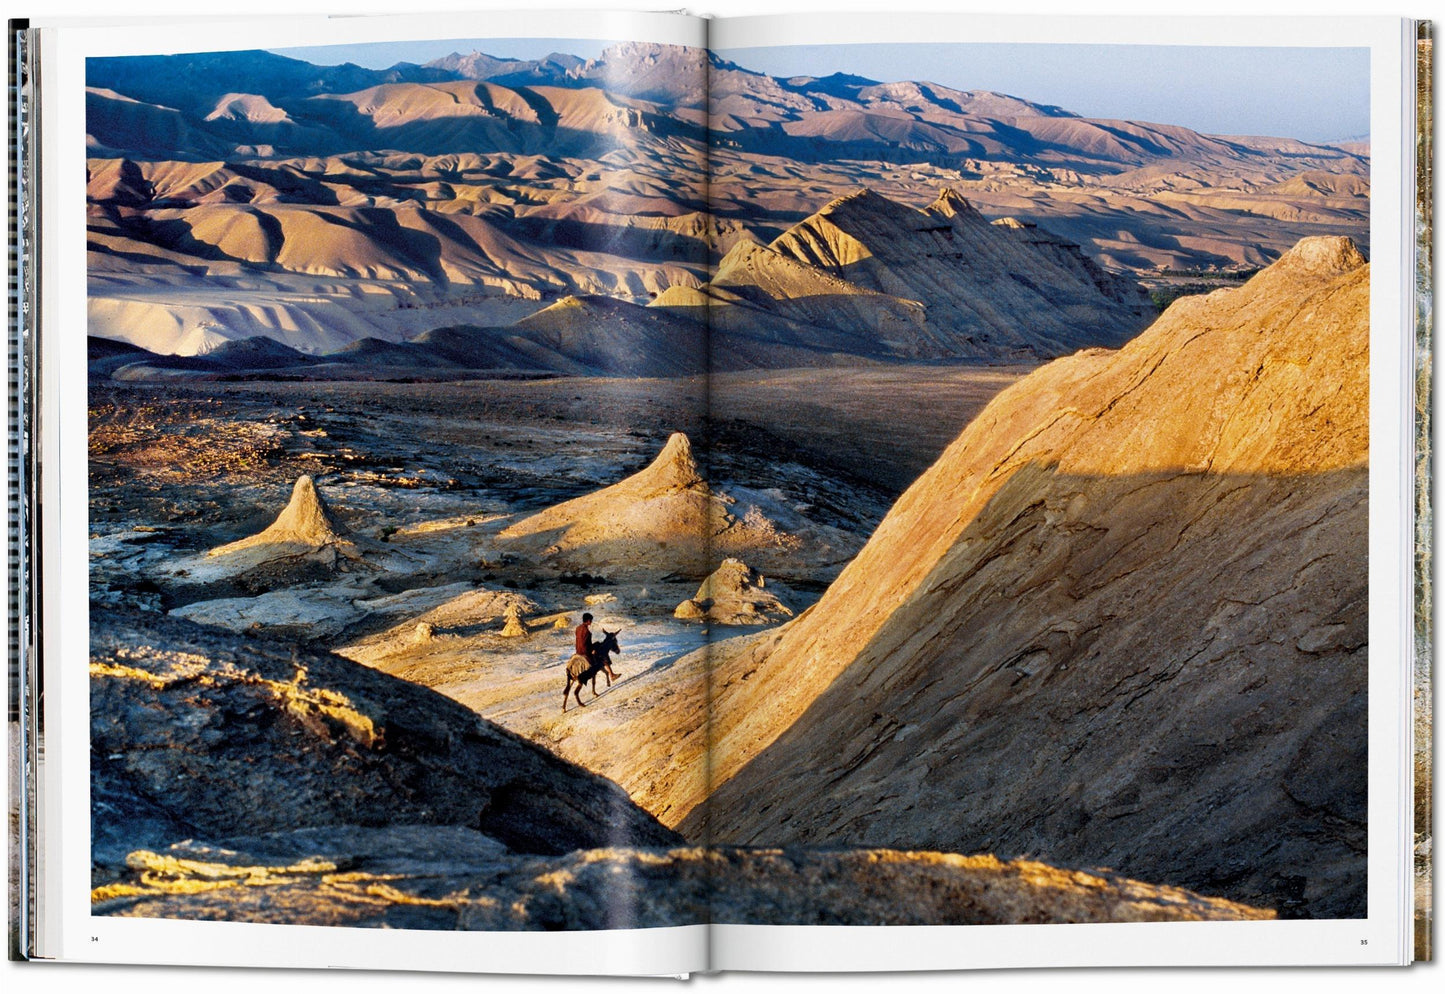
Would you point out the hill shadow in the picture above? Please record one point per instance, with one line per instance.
(1164, 673)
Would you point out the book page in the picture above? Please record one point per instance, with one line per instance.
(356, 394)
(1096, 379)
(390, 384)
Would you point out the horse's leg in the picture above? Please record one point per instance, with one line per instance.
(565, 688)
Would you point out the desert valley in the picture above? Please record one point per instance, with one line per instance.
(978, 493)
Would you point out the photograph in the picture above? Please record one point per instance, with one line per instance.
(546, 483)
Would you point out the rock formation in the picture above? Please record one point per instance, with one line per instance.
(689, 610)
(198, 735)
(251, 781)
(733, 594)
(667, 518)
(868, 276)
(513, 627)
(766, 308)
(304, 526)
(304, 542)
(474, 609)
(452, 878)
(593, 335)
(1120, 622)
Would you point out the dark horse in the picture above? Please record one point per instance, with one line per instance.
(580, 669)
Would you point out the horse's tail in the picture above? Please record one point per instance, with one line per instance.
(577, 666)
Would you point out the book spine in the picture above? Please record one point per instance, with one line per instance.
(23, 674)
(1424, 306)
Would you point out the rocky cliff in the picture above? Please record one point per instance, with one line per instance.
(1121, 621)
(198, 734)
(987, 290)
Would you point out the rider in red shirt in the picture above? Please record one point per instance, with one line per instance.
(584, 646)
(584, 638)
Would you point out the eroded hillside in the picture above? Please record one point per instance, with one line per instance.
(1121, 620)
(339, 203)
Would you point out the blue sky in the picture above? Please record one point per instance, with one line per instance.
(1311, 93)
(1317, 94)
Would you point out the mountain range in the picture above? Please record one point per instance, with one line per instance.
(864, 279)
(338, 203)
(254, 99)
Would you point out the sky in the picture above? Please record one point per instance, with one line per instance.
(1316, 94)
(384, 54)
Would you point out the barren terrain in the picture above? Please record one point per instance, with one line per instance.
(422, 478)
(455, 531)
(336, 204)
(931, 549)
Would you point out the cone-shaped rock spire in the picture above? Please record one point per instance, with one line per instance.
(306, 521)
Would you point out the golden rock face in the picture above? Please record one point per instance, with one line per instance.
(1118, 620)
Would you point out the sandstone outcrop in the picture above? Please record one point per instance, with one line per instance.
(513, 628)
(734, 595)
(453, 878)
(1121, 621)
(304, 543)
(592, 335)
(666, 517)
(442, 614)
(303, 526)
(249, 781)
(689, 610)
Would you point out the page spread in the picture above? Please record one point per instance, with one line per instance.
(947, 491)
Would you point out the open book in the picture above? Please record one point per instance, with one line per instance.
(639, 494)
